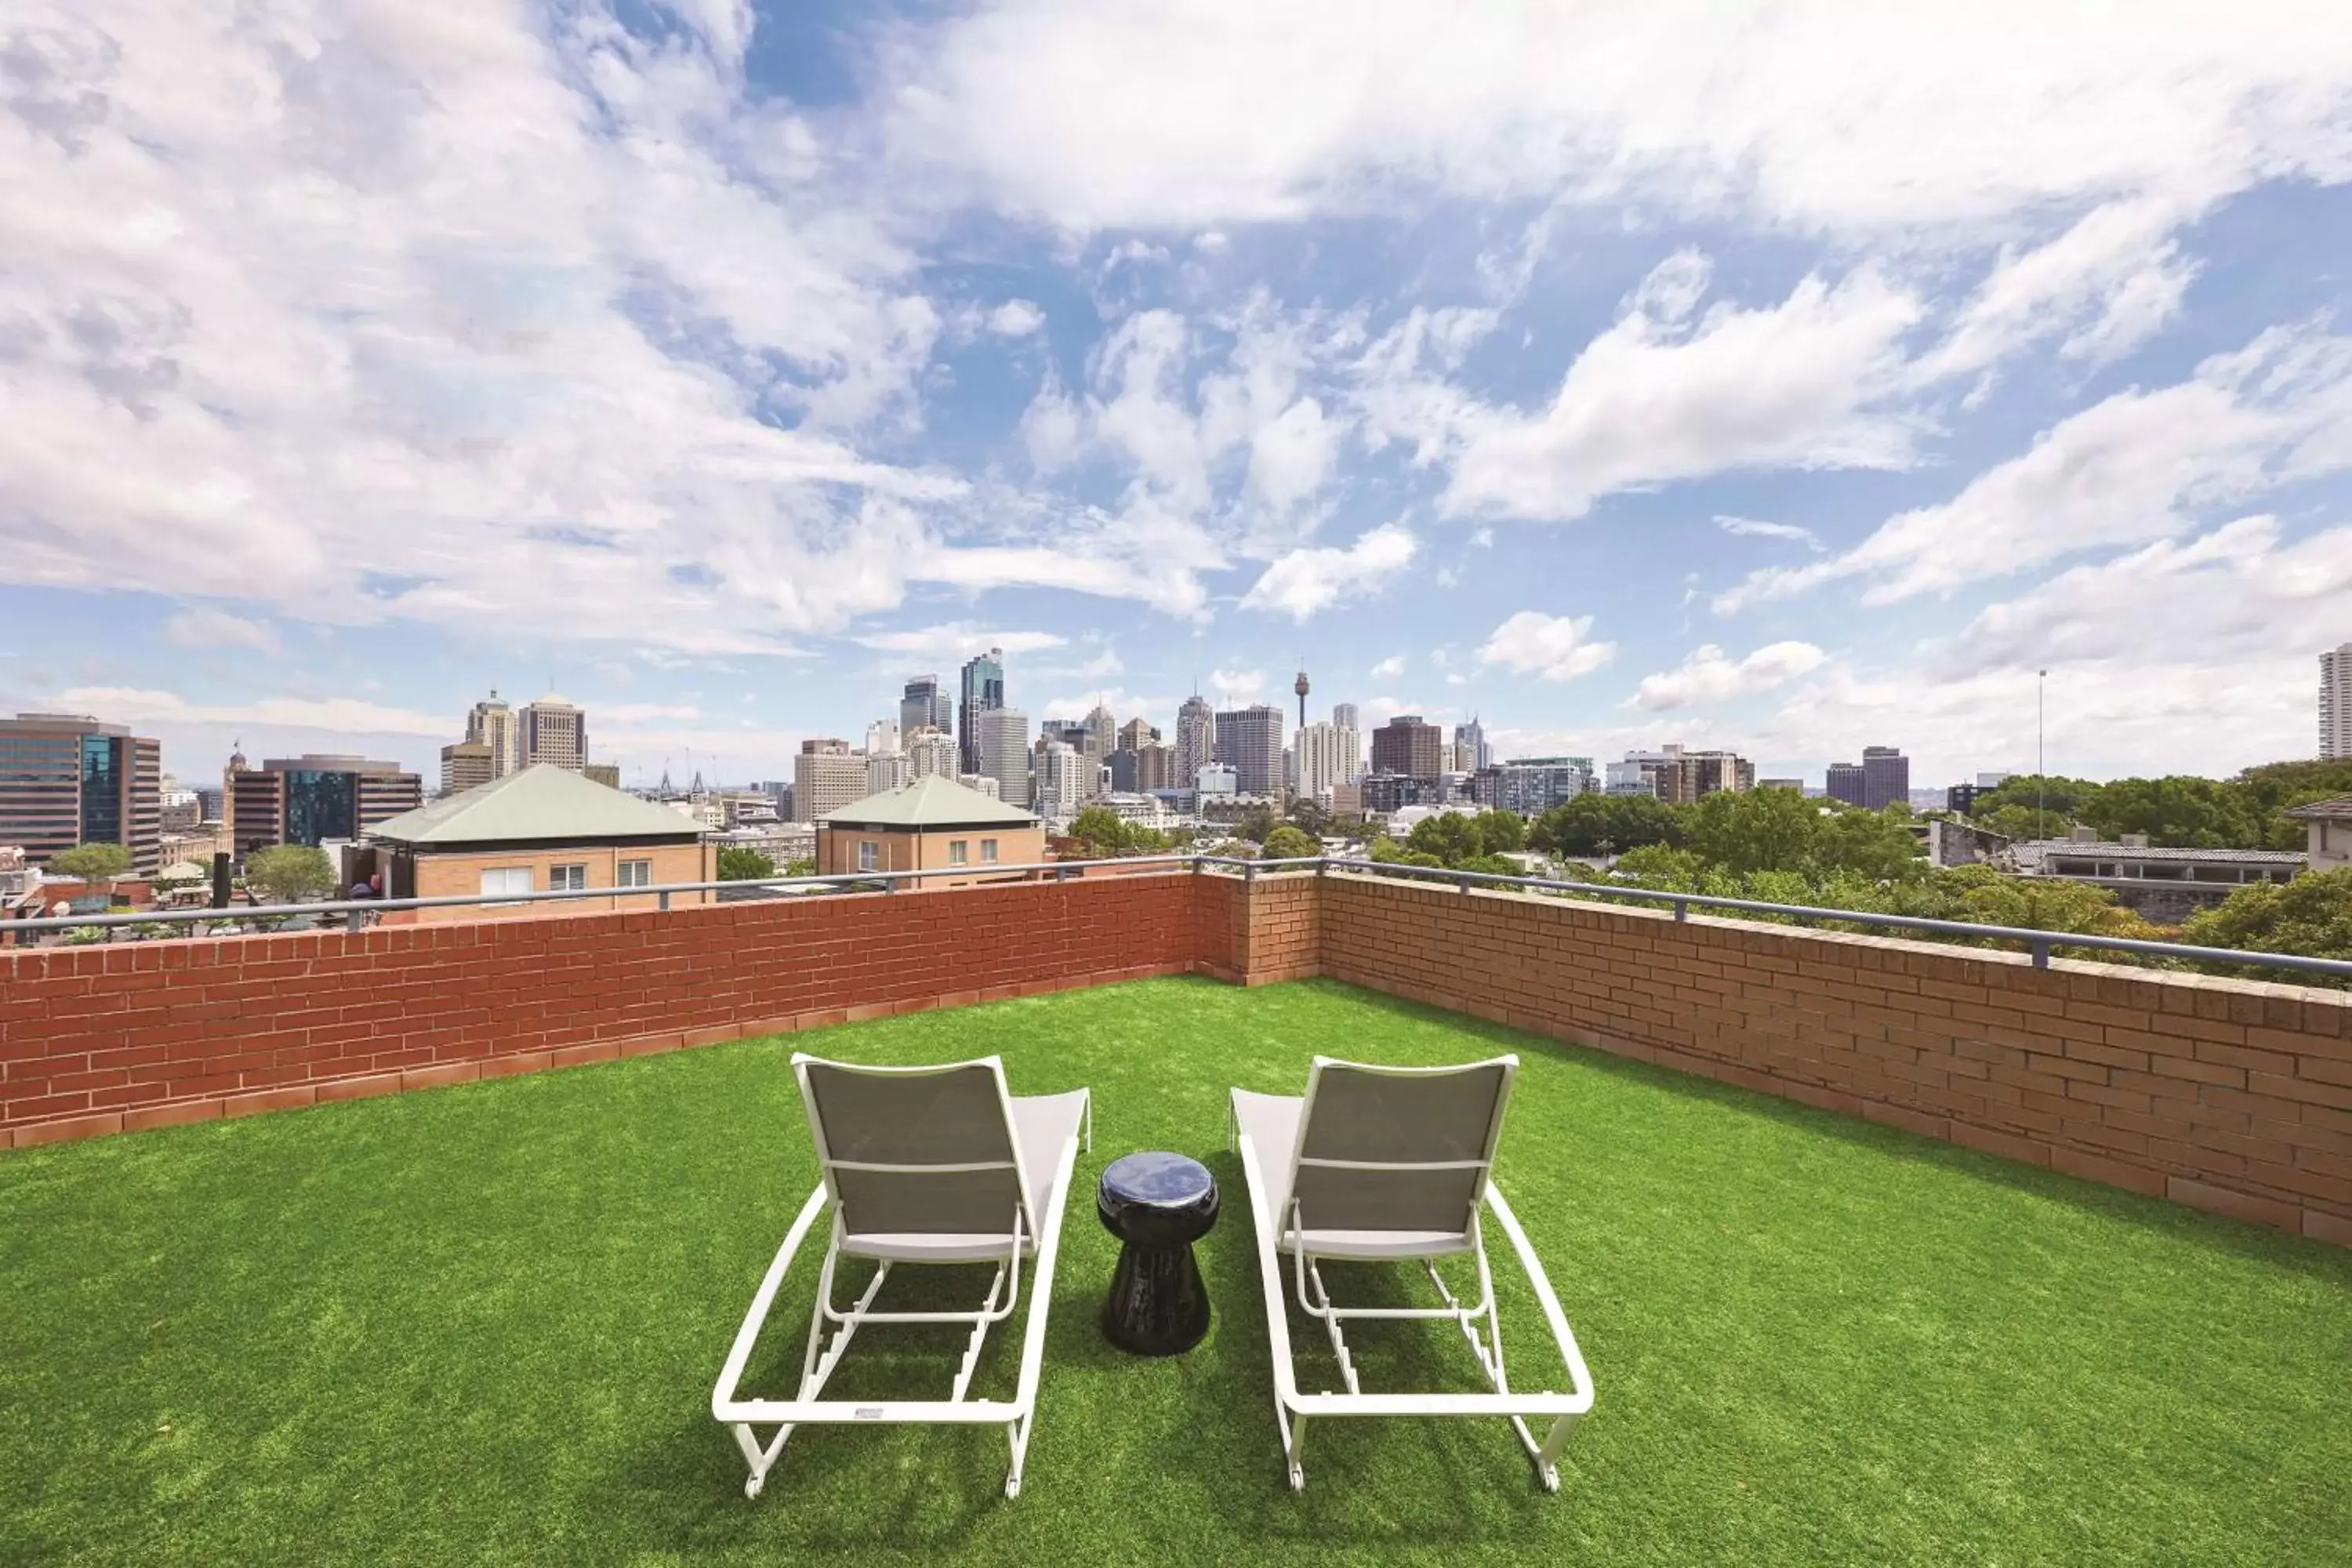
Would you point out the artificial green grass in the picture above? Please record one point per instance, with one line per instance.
(482, 1324)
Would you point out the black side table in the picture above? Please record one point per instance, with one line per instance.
(1159, 1205)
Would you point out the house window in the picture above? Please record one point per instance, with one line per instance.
(987, 849)
(956, 852)
(567, 879)
(870, 855)
(636, 874)
(506, 879)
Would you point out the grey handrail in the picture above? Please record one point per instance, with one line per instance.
(2037, 942)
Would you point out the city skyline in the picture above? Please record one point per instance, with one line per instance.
(1607, 407)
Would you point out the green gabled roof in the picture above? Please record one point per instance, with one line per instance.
(539, 802)
(930, 801)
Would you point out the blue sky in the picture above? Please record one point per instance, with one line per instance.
(1792, 383)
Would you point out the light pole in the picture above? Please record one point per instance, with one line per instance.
(2041, 778)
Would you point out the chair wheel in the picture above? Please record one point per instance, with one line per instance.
(752, 1488)
(1012, 1487)
(1552, 1478)
(1297, 1478)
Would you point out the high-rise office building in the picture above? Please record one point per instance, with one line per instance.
(466, 766)
(2335, 703)
(983, 690)
(882, 735)
(827, 776)
(1678, 776)
(925, 704)
(1062, 773)
(314, 799)
(1322, 760)
(1845, 783)
(493, 724)
(554, 732)
(1343, 714)
(1005, 752)
(1196, 739)
(1408, 747)
(932, 753)
(1134, 735)
(1533, 785)
(67, 778)
(1886, 777)
(1249, 740)
(1102, 734)
(1472, 750)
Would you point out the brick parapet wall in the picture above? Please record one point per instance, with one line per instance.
(2231, 1096)
(2227, 1095)
(104, 1039)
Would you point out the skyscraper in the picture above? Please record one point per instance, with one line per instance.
(1325, 759)
(1845, 783)
(1343, 714)
(1004, 740)
(553, 731)
(1135, 734)
(492, 723)
(932, 753)
(1196, 739)
(1102, 735)
(1886, 777)
(2335, 702)
(1472, 739)
(827, 776)
(466, 766)
(67, 778)
(1409, 747)
(1351, 741)
(1249, 740)
(926, 703)
(983, 690)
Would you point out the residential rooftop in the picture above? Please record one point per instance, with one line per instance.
(927, 803)
(542, 804)
(2104, 849)
(482, 1322)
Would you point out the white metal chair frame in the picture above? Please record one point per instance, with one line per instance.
(1292, 1408)
(820, 1358)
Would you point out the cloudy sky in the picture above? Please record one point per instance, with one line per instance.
(1791, 381)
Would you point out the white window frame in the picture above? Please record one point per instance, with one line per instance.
(505, 880)
(635, 874)
(957, 852)
(987, 851)
(870, 855)
(571, 876)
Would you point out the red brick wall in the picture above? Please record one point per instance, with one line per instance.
(97, 1039)
(2227, 1095)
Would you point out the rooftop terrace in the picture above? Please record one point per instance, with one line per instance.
(483, 1322)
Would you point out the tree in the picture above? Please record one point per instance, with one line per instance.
(92, 863)
(290, 873)
(1387, 851)
(804, 866)
(1755, 830)
(2311, 915)
(1310, 817)
(1449, 835)
(742, 863)
(1878, 845)
(1256, 822)
(1594, 823)
(1502, 832)
(1104, 832)
(1288, 842)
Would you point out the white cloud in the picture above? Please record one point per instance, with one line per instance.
(136, 706)
(1389, 667)
(2109, 283)
(1756, 528)
(1305, 581)
(207, 628)
(1238, 686)
(1661, 397)
(2136, 466)
(1707, 676)
(1015, 319)
(1558, 648)
(1096, 116)
(948, 645)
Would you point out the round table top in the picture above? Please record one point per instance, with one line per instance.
(1157, 1179)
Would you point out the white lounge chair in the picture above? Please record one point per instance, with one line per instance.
(921, 1165)
(1392, 1163)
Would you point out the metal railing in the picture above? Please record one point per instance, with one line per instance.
(2038, 943)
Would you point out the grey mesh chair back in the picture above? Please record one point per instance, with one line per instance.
(1398, 1149)
(918, 1151)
